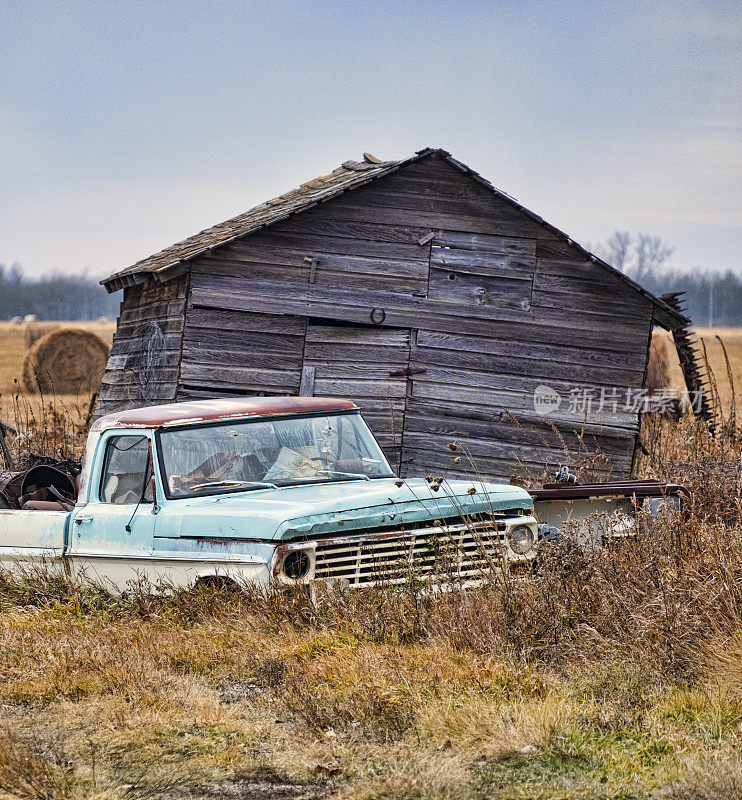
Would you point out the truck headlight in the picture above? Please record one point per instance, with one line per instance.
(521, 539)
(293, 564)
(296, 564)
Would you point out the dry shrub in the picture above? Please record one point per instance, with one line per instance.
(41, 767)
(47, 585)
(650, 601)
(69, 361)
(54, 428)
(724, 657)
(378, 712)
(32, 770)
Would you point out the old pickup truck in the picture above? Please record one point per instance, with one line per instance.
(292, 490)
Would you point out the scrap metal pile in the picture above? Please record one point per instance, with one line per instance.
(42, 480)
(46, 481)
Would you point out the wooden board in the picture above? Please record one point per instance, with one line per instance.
(405, 311)
(144, 361)
(242, 353)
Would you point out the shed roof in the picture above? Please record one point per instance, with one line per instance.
(348, 176)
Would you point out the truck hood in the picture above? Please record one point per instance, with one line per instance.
(311, 510)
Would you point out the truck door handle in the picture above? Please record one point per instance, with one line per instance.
(80, 520)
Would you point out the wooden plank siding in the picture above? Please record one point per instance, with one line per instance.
(139, 372)
(229, 354)
(424, 270)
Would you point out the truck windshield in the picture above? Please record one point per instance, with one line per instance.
(248, 455)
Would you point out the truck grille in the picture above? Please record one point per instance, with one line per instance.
(454, 552)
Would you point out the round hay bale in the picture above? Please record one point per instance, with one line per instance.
(658, 369)
(29, 319)
(36, 330)
(16, 321)
(68, 361)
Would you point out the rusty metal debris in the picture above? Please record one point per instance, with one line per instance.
(37, 484)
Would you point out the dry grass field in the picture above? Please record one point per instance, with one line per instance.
(616, 674)
(715, 341)
(612, 675)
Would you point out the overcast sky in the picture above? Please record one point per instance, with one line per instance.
(127, 126)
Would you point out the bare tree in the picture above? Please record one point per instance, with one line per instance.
(638, 255)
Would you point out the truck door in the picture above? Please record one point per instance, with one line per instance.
(112, 535)
(28, 536)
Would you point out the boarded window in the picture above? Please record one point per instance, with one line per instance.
(482, 270)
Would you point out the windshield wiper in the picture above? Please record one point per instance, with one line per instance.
(233, 485)
(354, 475)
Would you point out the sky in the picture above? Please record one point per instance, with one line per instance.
(127, 126)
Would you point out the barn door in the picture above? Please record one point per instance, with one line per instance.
(239, 353)
(366, 364)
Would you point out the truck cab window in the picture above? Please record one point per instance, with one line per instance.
(237, 456)
(127, 470)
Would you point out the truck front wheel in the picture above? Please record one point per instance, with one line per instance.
(216, 583)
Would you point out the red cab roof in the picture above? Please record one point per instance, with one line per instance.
(216, 410)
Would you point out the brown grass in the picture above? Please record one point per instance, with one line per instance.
(607, 674)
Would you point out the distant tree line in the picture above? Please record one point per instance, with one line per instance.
(54, 296)
(711, 298)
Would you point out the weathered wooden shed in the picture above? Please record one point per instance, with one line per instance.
(414, 287)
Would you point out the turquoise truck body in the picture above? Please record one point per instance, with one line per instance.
(344, 528)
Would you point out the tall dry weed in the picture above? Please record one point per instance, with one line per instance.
(48, 426)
